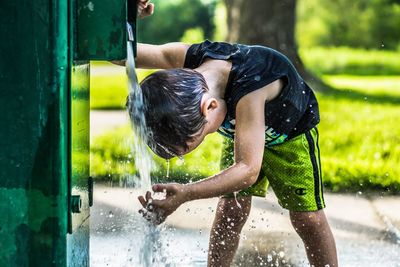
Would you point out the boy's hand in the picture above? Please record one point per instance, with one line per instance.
(145, 8)
(175, 196)
(148, 212)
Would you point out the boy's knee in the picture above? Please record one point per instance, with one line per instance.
(308, 221)
(233, 213)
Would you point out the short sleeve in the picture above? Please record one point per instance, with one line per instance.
(195, 54)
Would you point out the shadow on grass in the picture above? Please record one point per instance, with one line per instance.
(353, 95)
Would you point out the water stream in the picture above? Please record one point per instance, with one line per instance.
(151, 242)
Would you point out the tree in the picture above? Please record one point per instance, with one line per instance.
(266, 22)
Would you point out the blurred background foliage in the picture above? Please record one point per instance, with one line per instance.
(173, 18)
(353, 46)
(370, 24)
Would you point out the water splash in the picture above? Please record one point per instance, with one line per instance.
(151, 242)
(143, 160)
(168, 167)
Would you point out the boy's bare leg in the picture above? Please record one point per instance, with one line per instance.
(314, 230)
(225, 232)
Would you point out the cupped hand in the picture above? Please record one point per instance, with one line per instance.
(148, 211)
(145, 8)
(175, 196)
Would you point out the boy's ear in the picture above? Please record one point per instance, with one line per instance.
(209, 104)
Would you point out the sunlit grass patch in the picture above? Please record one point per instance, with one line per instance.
(109, 85)
(344, 60)
(360, 136)
(375, 85)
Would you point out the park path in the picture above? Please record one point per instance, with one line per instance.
(366, 227)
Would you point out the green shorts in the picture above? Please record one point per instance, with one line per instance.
(293, 169)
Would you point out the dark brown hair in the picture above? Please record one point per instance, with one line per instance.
(173, 116)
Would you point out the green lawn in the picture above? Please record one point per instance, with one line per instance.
(109, 85)
(360, 133)
(350, 61)
(360, 137)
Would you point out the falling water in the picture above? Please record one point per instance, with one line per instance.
(151, 243)
(143, 159)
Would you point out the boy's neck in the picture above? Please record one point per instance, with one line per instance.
(216, 73)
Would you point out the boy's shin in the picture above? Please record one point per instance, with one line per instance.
(225, 233)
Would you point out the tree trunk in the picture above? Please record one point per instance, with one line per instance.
(270, 23)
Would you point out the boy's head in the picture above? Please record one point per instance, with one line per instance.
(172, 100)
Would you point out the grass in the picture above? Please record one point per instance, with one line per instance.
(360, 133)
(109, 85)
(359, 140)
(344, 60)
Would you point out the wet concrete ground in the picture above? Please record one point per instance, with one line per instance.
(362, 237)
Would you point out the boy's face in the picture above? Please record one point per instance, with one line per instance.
(214, 111)
(195, 141)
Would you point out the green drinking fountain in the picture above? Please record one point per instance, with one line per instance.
(45, 188)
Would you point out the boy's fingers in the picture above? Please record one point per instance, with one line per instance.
(160, 204)
(150, 9)
(148, 196)
(159, 187)
(142, 201)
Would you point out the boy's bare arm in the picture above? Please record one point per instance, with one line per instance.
(249, 150)
(166, 56)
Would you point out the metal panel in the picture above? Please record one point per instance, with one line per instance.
(45, 126)
(33, 108)
(78, 153)
(78, 242)
(100, 30)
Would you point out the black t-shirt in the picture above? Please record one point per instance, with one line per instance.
(294, 111)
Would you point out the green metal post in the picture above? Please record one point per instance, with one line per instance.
(34, 132)
(44, 108)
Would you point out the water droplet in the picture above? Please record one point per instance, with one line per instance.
(269, 258)
(168, 166)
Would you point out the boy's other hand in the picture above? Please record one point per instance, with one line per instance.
(145, 8)
(175, 196)
(148, 211)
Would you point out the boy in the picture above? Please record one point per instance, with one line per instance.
(255, 97)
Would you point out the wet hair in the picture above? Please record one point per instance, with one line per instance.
(172, 100)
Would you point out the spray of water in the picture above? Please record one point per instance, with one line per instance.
(143, 159)
(151, 252)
